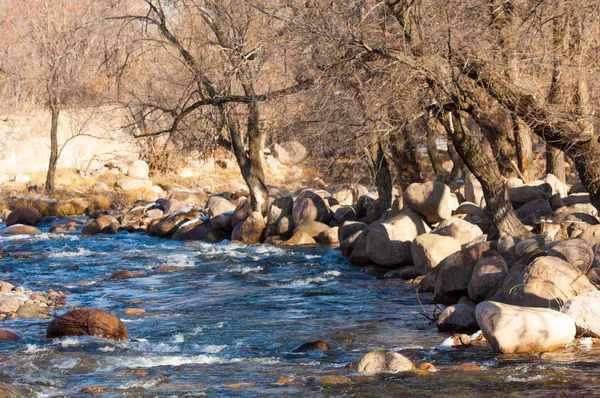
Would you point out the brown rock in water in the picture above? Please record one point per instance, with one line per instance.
(429, 367)
(134, 311)
(333, 380)
(465, 367)
(318, 345)
(122, 275)
(5, 335)
(33, 311)
(23, 215)
(250, 230)
(98, 225)
(87, 321)
(384, 362)
(20, 229)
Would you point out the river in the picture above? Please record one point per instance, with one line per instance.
(225, 322)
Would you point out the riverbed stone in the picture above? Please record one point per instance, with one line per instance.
(218, 205)
(6, 287)
(222, 221)
(309, 206)
(281, 207)
(344, 214)
(462, 231)
(329, 237)
(87, 321)
(384, 362)
(9, 304)
(167, 226)
(428, 250)
(25, 216)
(33, 311)
(530, 192)
(285, 227)
(408, 273)
(576, 252)
(318, 345)
(7, 335)
(201, 231)
(584, 310)
(20, 229)
(299, 239)
(431, 199)
(531, 213)
(512, 329)
(138, 169)
(250, 230)
(488, 276)
(98, 225)
(457, 318)
(243, 210)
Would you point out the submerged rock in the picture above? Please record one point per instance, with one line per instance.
(87, 321)
(318, 345)
(20, 229)
(6, 335)
(384, 362)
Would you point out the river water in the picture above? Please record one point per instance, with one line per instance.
(225, 322)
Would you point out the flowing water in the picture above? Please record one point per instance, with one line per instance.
(226, 321)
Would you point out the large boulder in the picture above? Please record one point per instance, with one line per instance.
(349, 228)
(20, 229)
(190, 198)
(8, 304)
(527, 193)
(290, 152)
(250, 230)
(433, 200)
(311, 228)
(201, 230)
(574, 251)
(584, 310)
(347, 245)
(488, 276)
(462, 231)
(388, 243)
(546, 282)
(384, 362)
(473, 190)
(285, 227)
(329, 237)
(510, 329)
(222, 221)
(558, 187)
(6, 335)
(218, 205)
(457, 318)
(310, 207)
(138, 169)
(99, 225)
(166, 227)
(23, 215)
(87, 321)
(428, 250)
(344, 197)
(345, 213)
(455, 271)
(243, 210)
(132, 184)
(299, 239)
(281, 207)
(531, 213)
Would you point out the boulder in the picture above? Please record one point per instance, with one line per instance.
(138, 169)
(457, 318)
(473, 190)
(9, 304)
(462, 231)
(545, 281)
(222, 221)
(5, 287)
(428, 250)
(388, 243)
(455, 271)
(350, 228)
(488, 276)
(98, 225)
(122, 275)
(250, 230)
(345, 197)
(529, 245)
(87, 321)
(298, 239)
(202, 231)
(285, 226)
(290, 152)
(558, 187)
(329, 237)
(362, 205)
(345, 213)
(166, 227)
(218, 205)
(172, 205)
(243, 210)
(358, 248)
(20, 229)
(470, 209)
(6, 335)
(384, 362)
(574, 251)
(281, 207)
(311, 228)
(190, 198)
(310, 207)
(30, 311)
(511, 329)
(433, 200)
(318, 345)
(132, 184)
(584, 310)
(528, 193)
(408, 273)
(24, 215)
(531, 213)
(347, 245)
(21, 178)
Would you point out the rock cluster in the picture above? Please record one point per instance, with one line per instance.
(16, 302)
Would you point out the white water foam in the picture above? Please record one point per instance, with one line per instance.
(212, 349)
(176, 360)
(526, 379)
(81, 252)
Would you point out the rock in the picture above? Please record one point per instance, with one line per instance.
(531, 213)
(470, 209)
(290, 152)
(98, 225)
(9, 304)
(388, 243)
(546, 282)
(427, 284)
(134, 311)
(138, 169)
(529, 245)
(462, 231)
(454, 273)
(344, 197)
(332, 380)
(310, 207)
(347, 245)
(511, 329)
(191, 198)
(488, 276)
(170, 224)
(5, 287)
(408, 273)
(154, 213)
(250, 230)
(6, 335)
(345, 213)
(201, 231)
(21, 178)
(24, 215)
(457, 318)
(243, 210)
(473, 190)
(132, 184)
(362, 205)
(33, 311)
(374, 211)
(298, 239)
(274, 240)
(222, 221)
(384, 362)
(87, 321)
(329, 237)
(281, 207)
(556, 202)
(574, 251)
(432, 200)
(465, 367)
(428, 250)
(528, 193)
(584, 310)
(318, 345)
(311, 228)
(285, 227)
(349, 228)
(122, 275)
(20, 229)
(558, 187)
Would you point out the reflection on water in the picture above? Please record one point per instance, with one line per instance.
(225, 317)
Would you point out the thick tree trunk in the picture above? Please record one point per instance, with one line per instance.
(524, 149)
(555, 163)
(486, 170)
(497, 126)
(404, 156)
(457, 167)
(432, 151)
(383, 179)
(51, 175)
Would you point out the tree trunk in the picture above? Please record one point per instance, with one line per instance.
(51, 175)
(524, 149)
(432, 151)
(497, 126)
(486, 170)
(383, 179)
(457, 167)
(405, 159)
(555, 163)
